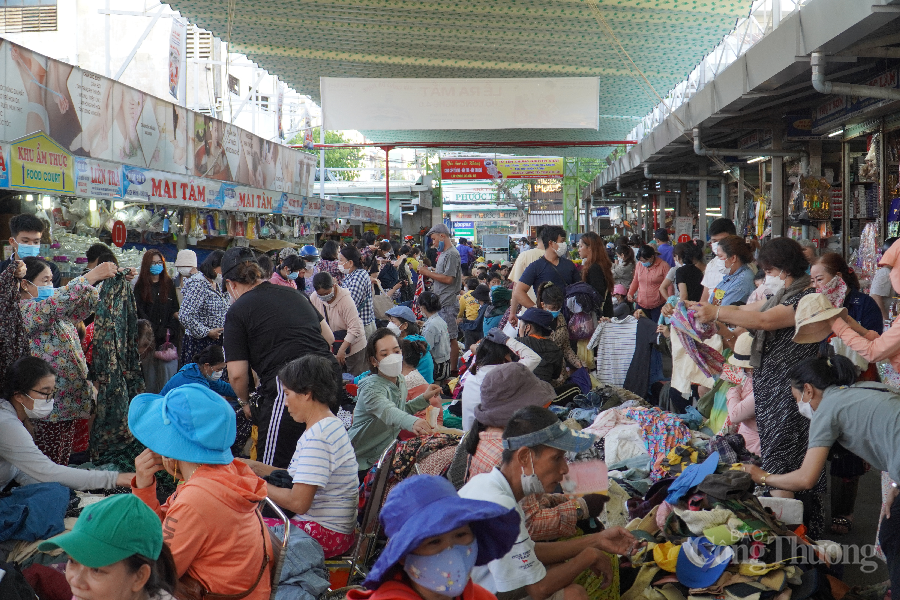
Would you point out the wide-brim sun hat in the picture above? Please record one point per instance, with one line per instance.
(424, 506)
(812, 316)
(742, 350)
(191, 423)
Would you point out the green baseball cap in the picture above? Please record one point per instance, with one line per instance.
(109, 531)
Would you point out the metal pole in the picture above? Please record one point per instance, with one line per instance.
(387, 190)
(701, 201)
(322, 158)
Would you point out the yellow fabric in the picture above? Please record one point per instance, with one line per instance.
(666, 556)
(413, 264)
(586, 356)
(254, 435)
(468, 307)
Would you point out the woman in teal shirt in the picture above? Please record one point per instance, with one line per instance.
(381, 407)
(206, 370)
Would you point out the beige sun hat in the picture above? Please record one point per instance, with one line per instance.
(742, 349)
(811, 318)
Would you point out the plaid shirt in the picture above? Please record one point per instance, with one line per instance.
(360, 287)
(547, 516)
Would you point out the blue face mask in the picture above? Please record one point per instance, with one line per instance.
(647, 264)
(29, 250)
(293, 275)
(44, 292)
(441, 246)
(494, 287)
(555, 313)
(156, 269)
(446, 572)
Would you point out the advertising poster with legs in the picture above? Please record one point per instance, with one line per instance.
(208, 149)
(128, 104)
(37, 96)
(173, 143)
(93, 97)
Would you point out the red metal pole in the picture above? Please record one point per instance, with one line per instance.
(387, 189)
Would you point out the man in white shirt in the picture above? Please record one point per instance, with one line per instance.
(524, 259)
(534, 461)
(715, 269)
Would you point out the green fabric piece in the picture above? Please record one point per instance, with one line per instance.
(117, 367)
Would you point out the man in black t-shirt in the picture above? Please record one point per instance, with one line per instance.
(267, 327)
(553, 266)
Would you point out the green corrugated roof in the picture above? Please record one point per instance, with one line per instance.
(302, 40)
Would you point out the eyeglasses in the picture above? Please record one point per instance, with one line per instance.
(43, 393)
(160, 263)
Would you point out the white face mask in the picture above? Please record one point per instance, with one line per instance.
(714, 246)
(394, 327)
(530, 483)
(615, 301)
(774, 282)
(216, 375)
(185, 271)
(343, 269)
(561, 249)
(219, 280)
(42, 408)
(391, 365)
(805, 408)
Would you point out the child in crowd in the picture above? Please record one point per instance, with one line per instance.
(621, 307)
(436, 334)
(741, 402)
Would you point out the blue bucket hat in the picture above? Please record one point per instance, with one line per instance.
(701, 563)
(424, 506)
(191, 423)
(692, 476)
(402, 312)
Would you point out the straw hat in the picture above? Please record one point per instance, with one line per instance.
(811, 318)
(742, 350)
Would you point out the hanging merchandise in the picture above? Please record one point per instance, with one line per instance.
(868, 254)
(760, 216)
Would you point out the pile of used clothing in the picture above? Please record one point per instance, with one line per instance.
(708, 536)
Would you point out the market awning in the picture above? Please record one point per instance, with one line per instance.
(301, 41)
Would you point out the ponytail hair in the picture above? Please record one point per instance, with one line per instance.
(822, 372)
(211, 355)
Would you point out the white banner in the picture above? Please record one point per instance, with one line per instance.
(177, 39)
(528, 103)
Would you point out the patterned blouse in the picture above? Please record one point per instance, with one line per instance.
(330, 266)
(203, 308)
(50, 326)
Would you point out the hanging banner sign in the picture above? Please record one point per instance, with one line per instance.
(4, 166)
(533, 167)
(96, 179)
(329, 209)
(313, 207)
(500, 103)
(292, 204)
(177, 40)
(39, 163)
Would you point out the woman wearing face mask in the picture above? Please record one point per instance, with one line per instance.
(864, 418)
(550, 298)
(31, 386)
(833, 277)
(623, 269)
(596, 270)
(381, 406)
(206, 370)
(203, 308)
(649, 275)
(154, 294)
(288, 271)
(186, 265)
(49, 316)
(357, 282)
(329, 263)
(213, 525)
(404, 325)
(737, 284)
(336, 305)
(783, 431)
(435, 539)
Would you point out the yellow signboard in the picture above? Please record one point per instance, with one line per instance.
(39, 163)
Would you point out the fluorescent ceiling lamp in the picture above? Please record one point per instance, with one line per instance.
(726, 171)
(757, 159)
(29, 198)
(47, 202)
(118, 205)
(836, 133)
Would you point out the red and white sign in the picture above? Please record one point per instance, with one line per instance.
(524, 167)
(119, 234)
